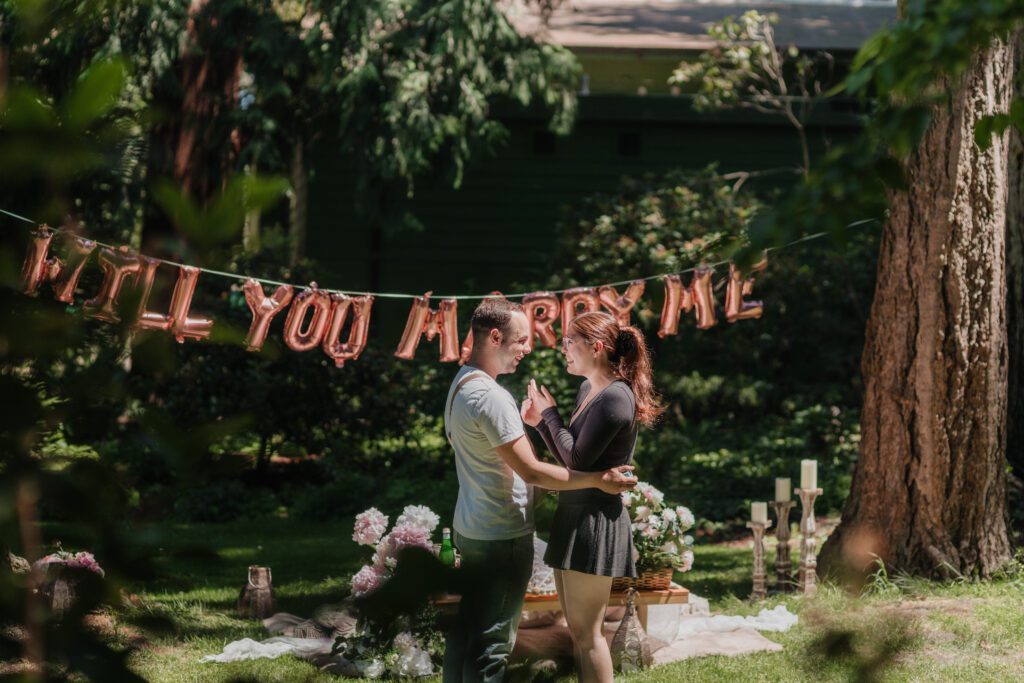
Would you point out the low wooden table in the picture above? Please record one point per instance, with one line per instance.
(673, 595)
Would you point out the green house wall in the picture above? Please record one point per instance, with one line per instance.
(493, 233)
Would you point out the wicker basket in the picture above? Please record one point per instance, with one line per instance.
(656, 580)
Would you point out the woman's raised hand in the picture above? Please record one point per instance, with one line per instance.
(529, 412)
(541, 398)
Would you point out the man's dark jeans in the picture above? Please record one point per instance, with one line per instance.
(494, 578)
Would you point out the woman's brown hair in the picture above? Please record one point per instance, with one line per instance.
(628, 356)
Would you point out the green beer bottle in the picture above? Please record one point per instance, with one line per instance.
(447, 553)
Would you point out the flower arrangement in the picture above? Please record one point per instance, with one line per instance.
(79, 560)
(659, 530)
(418, 646)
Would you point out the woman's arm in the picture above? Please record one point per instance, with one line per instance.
(542, 427)
(613, 411)
(545, 433)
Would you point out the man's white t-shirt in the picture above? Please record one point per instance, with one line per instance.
(494, 504)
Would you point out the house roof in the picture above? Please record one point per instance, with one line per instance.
(681, 25)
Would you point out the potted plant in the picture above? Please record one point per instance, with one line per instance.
(659, 538)
(59, 572)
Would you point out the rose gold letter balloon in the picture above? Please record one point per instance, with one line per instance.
(414, 326)
(63, 276)
(78, 254)
(446, 324)
(542, 310)
(182, 325)
(350, 350)
(146, 319)
(297, 338)
(620, 306)
(676, 299)
(735, 307)
(263, 309)
(573, 300)
(36, 268)
(703, 297)
(117, 266)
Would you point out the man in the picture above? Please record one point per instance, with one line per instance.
(497, 470)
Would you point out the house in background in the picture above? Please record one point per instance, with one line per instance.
(495, 231)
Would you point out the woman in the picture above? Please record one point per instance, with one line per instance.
(591, 539)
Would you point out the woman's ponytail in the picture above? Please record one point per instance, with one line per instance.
(634, 366)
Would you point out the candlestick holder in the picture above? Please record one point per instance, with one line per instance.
(759, 592)
(808, 581)
(783, 563)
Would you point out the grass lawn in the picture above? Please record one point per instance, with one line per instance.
(964, 631)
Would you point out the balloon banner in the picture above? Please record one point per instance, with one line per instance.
(318, 317)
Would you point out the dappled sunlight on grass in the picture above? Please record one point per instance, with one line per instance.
(955, 631)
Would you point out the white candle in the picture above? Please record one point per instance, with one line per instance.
(759, 512)
(808, 474)
(783, 487)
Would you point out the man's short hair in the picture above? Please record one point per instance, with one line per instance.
(494, 314)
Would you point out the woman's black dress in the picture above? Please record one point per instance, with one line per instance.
(591, 531)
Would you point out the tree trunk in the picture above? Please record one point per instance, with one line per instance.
(298, 205)
(251, 228)
(929, 488)
(1015, 311)
(195, 148)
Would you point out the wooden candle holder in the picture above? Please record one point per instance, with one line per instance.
(808, 581)
(759, 591)
(783, 563)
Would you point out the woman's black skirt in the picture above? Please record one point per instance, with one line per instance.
(591, 534)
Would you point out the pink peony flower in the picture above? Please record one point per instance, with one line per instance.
(650, 532)
(418, 515)
(370, 526)
(686, 562)
(402, 536)
(686, 519)
(367, 580)
(81, 560)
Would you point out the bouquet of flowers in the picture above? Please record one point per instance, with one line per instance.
(418, 645)
(659, 530)
(80, 560)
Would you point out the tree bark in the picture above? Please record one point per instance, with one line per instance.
(1015, 310)
(298, 204)
(929, 488)
(251, 242)
(194, 148)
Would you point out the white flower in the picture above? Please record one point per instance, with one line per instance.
(654, 521)
(669, 515)
(413, 662)
(405, 640)
(670, 548)
(650, 494)
(420, 516)
(686, 519)
(371, 669)
(642, 513)
(650, 532)
(686, 562)
(688, 541)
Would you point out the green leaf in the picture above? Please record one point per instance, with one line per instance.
(96, 93)
(989, 126)
(178, 207)
(262, 192)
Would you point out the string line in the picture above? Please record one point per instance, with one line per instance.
(463, 297)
